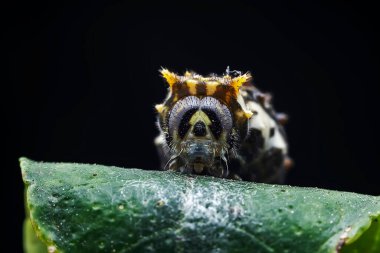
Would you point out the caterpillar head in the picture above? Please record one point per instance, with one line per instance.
(202, 119)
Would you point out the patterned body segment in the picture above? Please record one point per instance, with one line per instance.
(221, 126)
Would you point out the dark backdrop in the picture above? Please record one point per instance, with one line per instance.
(81, 80)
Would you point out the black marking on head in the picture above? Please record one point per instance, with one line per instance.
(220, 92)
(184, 124)
(271, 132)
(182, 90)
(216, 126)
(201, 89)
(199, 129)
(178, 111)
(219, 115)
(176, 89)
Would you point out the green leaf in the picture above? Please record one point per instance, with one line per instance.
(94, 208)
(31, 243)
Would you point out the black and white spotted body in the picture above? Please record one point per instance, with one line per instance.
(263, 153)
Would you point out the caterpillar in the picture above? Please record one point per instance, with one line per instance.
(222, 126)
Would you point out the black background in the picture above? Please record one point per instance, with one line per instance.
(81, 80)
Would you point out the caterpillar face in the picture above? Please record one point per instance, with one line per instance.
(201, 120)
(199, 128)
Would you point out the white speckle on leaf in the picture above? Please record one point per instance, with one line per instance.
(213, 207)
(52, 249)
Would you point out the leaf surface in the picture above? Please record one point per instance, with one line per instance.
(94, 208)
